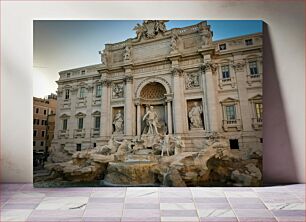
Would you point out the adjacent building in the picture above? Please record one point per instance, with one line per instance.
(44, 111)
(195, 85)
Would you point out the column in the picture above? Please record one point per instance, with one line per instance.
(210, 94)
(243, 106)
(169, 115)
(128, 107)
(104, 109)
(177, 102)
(138, 119)
(88, 124)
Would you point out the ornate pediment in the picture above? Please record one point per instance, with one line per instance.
(150, 29)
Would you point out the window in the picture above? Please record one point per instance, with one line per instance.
(234, 144)
(97, 122)
(68, 75)
(230, 112)
(35, 133)
(222, 46)
(261, 140)
(42, 143)
(34, 143)
(225, 72)
(37, 110)
(65, 121)
(34, 121)
(46, 122)
(42, 122)
(43, 133)
(80, 123)
(45, 112)
(82, 92)
(67, 91)
(79, 147)
(253, 68)
(83, 72)
(259, 111)
(37, 121)
(249, 42)
(94, 145)
(98, 90)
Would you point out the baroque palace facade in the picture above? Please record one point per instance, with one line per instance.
(195, 86)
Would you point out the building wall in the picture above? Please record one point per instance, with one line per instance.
(284, 131)
(43, 122)
(149, 64)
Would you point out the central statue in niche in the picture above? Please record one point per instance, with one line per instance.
(151, 119)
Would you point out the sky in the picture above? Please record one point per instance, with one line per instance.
(64, 44)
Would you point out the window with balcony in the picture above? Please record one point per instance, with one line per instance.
(257, 110)
(98, 90)
(80, 123)
(65, 123)
(253, 68)
(97, 122)
(230, 113)
(67, 92)
(225, 72)
(82, 92)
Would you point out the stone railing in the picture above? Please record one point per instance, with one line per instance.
(257, 123)
(63, 134)
(79, 133)
(227, 81)
(254, 78)
(95, 132)
(231, 124)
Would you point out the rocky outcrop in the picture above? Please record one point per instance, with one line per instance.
(216, 165)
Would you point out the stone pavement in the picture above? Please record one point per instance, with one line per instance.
(22, 202)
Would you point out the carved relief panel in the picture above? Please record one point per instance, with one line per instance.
(117, 90)
(192, 80)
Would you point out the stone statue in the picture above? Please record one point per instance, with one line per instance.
(140, 29)
(104, 56)
(127, 53)
(122, 150)
(195, 116)
(165, 145)
(179, 145)
(160, 26)
(118, 122)
(206, 38)
(152, 121)
(108, 149)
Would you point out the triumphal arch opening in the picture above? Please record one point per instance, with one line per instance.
(166, 94)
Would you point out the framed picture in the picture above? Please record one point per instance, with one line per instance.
(168, 103)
